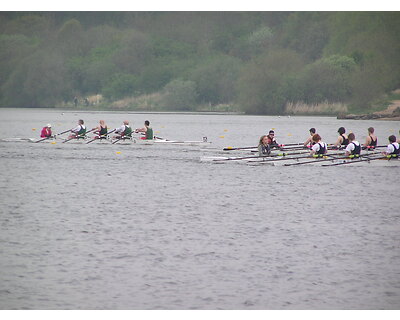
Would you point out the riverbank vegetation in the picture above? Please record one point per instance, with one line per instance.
(255, 62)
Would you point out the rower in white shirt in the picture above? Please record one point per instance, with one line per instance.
(78, 131)
(393, 148)
(125, 131)
(319, 149)
(353, 149)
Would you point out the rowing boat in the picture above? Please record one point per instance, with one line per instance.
(129, 141)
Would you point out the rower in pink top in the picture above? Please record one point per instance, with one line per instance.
(46, 132)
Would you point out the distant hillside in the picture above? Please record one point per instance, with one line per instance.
(256, 62)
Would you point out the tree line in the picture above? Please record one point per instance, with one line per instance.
(257, 61)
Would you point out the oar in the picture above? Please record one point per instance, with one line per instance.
(105, 134)
(315, 160)
(296, 158)
(252, 157)
(238, 148)
(354, 161)
(290, 144)
(119, 139)
(79, 135)
(273, 146)
(54, 135)
(272, 156)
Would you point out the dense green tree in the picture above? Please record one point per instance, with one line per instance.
(216, 79)
(262, 81)
(179, 95)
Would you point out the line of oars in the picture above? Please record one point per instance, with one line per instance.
(363, 159)
(79, 135)
(285, 156)
(330, 158)
(100, 136)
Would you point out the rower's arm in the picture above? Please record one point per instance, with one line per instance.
(367, 141)
(308, 141)
(338, 142)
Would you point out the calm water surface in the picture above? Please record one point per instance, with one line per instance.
(153, 227)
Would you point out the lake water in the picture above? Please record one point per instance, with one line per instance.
(153, 227)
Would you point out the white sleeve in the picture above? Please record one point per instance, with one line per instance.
(350, 147)
(76, 129)
(120, 129)
(315, 147)
(389, 149)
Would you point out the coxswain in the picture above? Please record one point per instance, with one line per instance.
(271, 139)
(264, 148)
(319, 148)
(148, 132)
(46, 131)
(342, 140)
(309, 142)
(79, 131)
(393, 148)
(371, 140)
(353, 149)
(124, 132)
(101, 130)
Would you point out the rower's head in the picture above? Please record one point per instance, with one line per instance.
(263, 140)
(316, 138)
(147, 123)
(102, 122)
(48, 125)
(126, 122)
(80, 121)
(271, 133)
(371, 130)
(392, 138)
(341, 130)
(351, 136)
(312, 131)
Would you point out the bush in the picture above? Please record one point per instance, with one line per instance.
(120, 85)
(179, 95)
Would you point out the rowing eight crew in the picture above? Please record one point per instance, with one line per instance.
(101, 131)
(353, 148)
(319, 148)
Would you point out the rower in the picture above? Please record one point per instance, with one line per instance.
(393, 148)
(101, 130)
(124, 132)
(79, 131)
(371, 140)
(46, 131)
(353, 149)
(271, 139)
(309, 142)
(147, 131)
(264, 148)
(319, 148)
(342, 139)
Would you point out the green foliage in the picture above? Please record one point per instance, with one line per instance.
(37, 81)
(120, 85)
(216, 79)
(326, 79)
(179, 95)
(262, 81)
(257, 60)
